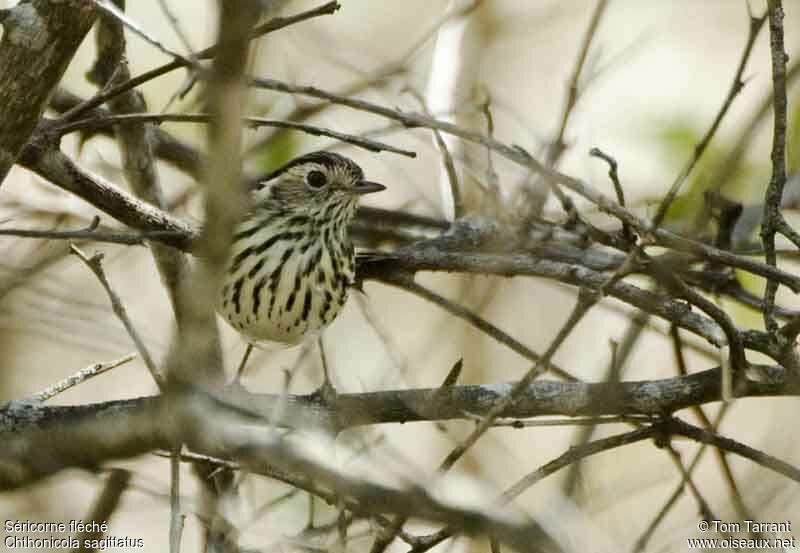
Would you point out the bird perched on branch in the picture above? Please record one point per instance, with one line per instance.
(292, 262)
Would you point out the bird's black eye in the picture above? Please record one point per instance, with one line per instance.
(316, 179)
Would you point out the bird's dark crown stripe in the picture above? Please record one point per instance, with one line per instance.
(328, 160)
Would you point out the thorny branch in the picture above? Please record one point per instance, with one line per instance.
(544, 397)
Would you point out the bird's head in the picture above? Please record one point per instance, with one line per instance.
(320, 185)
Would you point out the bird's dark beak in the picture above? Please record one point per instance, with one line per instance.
(368, 187)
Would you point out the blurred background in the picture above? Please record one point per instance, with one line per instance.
(653, 80)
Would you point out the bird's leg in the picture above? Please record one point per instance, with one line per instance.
(240, 370)
(327, 391)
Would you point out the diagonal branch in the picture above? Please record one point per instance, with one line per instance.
(268, 27)
(700, 148)
(97, 123)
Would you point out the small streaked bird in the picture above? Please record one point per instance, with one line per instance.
(292, 262)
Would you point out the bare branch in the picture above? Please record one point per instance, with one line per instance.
(558, 145)
(39, 39)
(773, 221)
(138, 159)
(478, 322)
(586, 300)
(81, 376)
(165, 146)
(53, 165)
(117, 482)
(268, 27)
(95, 265)
(677, 426)
(95, 124)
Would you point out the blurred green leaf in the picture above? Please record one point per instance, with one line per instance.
(281, 148)
(678, 138)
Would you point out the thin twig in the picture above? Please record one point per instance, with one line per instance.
(734, 338)
(179, 32)
(574, 421)
(452, 175)
(384, 224)
(572, 455)
(736, 496)
(413, 260)
(268, 27)
(93, 124)
(702, 504)
(772, 221)
(728, 167)
(390, 345)
(586, 300)
(124, 238)
(677, 426)
(81, 376)
(700, 147)
(577, 453)
(107, 7)
(480, 323)
(558, 145)
(612, 173)
(393, 68)
(166, 147)
(94, 264)
(491, 173)
(299, 481)
(671, 501)
(117, 482)
(613, 374)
